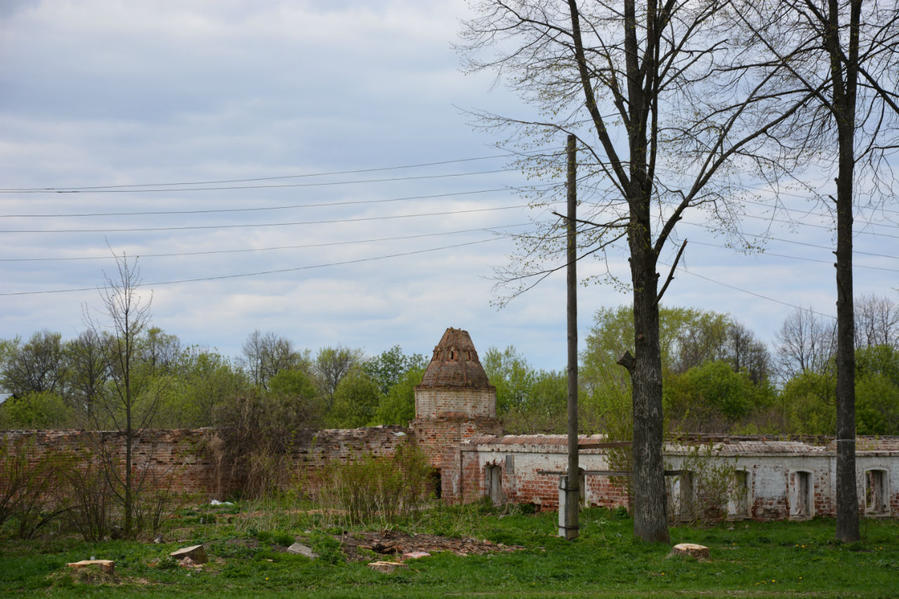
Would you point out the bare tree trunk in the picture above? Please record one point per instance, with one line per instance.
(847, 492)
(649, 502)
(844, 103)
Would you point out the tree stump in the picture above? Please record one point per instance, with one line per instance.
(691, 550)
(107, 566)
(386, 567)
(197, 554)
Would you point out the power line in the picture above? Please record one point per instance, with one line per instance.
(255, 179)
(814, 226)
(752, 293)
(818, 214)
(266, 249)
(265, 186)
(266, 225)
(258, 209)
(802, 258)
(800, 243)
(262, 272)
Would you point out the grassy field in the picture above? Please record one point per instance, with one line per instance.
(246, 548)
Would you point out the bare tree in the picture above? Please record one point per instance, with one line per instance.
(88, 372)
(331, 365)
(661, 100)
(806, 342)
(159, 351)
(876, 322)
(745, 352)
(265, 355)
(127, 313)
(847, 52)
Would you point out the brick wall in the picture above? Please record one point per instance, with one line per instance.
(187, 460)
(438, 402)
(531, 467)
(463, 449)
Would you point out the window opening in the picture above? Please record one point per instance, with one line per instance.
(436, 482)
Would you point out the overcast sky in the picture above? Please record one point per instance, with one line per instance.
(273, 103)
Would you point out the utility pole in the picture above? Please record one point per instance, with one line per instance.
(569, 486)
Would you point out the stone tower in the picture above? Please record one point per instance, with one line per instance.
(454, 402)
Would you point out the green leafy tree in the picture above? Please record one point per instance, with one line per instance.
(204, 379)
(36, 410)
(355, 400)
(265, 355)
(544, 407)
(391, 366)
(397, 406)
(877, 390)
(512, 376)
(159, 352)
(712, 397)
(87, 373)
(35, 366)
(331, 365)
(809, 401)
(688, 338)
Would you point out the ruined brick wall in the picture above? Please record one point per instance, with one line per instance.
(531, 466)
(162, 459)
(436, 436)
(782, 479)
(797, 479)
(186, 460)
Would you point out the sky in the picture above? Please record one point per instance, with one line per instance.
(312, 169)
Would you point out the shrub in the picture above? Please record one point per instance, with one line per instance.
(255, 435)
(92, 499)
(711, 480)
(376, 490)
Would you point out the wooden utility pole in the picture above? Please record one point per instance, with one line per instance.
(568, 521)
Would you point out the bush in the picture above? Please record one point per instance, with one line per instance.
(35, 410)
(256, 434)
(376, 490)
(711, 479)
(92, 500)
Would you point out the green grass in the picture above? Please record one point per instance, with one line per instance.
(245, 545)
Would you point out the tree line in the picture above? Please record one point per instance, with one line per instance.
(56, 383)
(718, 378)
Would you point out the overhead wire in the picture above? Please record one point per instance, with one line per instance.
(264, 186)
(267, 225)
(749, 292)
(258, 208)
(142, 255)
(801, 258)
(257, 179)
(261, 272)
(794, 242)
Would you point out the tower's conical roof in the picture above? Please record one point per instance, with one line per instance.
(455, 363)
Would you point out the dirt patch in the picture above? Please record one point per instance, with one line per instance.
(393, 542)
